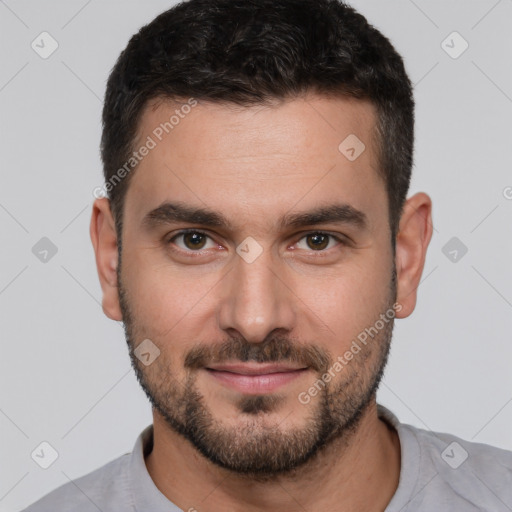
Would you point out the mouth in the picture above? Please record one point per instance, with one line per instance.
(255, 378)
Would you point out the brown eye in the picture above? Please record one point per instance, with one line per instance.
(194, 240)
(317, 241)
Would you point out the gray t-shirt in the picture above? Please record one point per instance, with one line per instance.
(439, 473)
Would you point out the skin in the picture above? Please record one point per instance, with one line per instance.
(254, 165)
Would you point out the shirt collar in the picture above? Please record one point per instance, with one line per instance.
(146, 495)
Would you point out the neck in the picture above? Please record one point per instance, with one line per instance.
(358, 473)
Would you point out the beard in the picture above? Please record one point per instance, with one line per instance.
(255, 447)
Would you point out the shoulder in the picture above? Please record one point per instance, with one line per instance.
(101, 489)
(478, 473)
(448, 451)
(440, 471)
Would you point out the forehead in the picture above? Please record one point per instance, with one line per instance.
(258, 160)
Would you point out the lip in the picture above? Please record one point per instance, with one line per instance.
(255, 378)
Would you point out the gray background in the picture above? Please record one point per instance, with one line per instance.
(64, 369)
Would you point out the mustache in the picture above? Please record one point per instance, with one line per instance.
(274, 349)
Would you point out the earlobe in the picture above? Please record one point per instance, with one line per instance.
(104, 241)
(412, 242)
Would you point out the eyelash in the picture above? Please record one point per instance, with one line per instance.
(318, 253)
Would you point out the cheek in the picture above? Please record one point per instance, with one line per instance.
(167, 303)
(344, 302)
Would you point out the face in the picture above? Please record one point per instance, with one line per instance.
(255, 257)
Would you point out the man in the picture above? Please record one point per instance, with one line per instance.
(257, 244)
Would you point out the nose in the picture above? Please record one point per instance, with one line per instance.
(255, 301)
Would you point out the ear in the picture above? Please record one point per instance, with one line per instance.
(415, 232)
(104, 241)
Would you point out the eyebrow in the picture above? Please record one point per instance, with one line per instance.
(172, 212)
